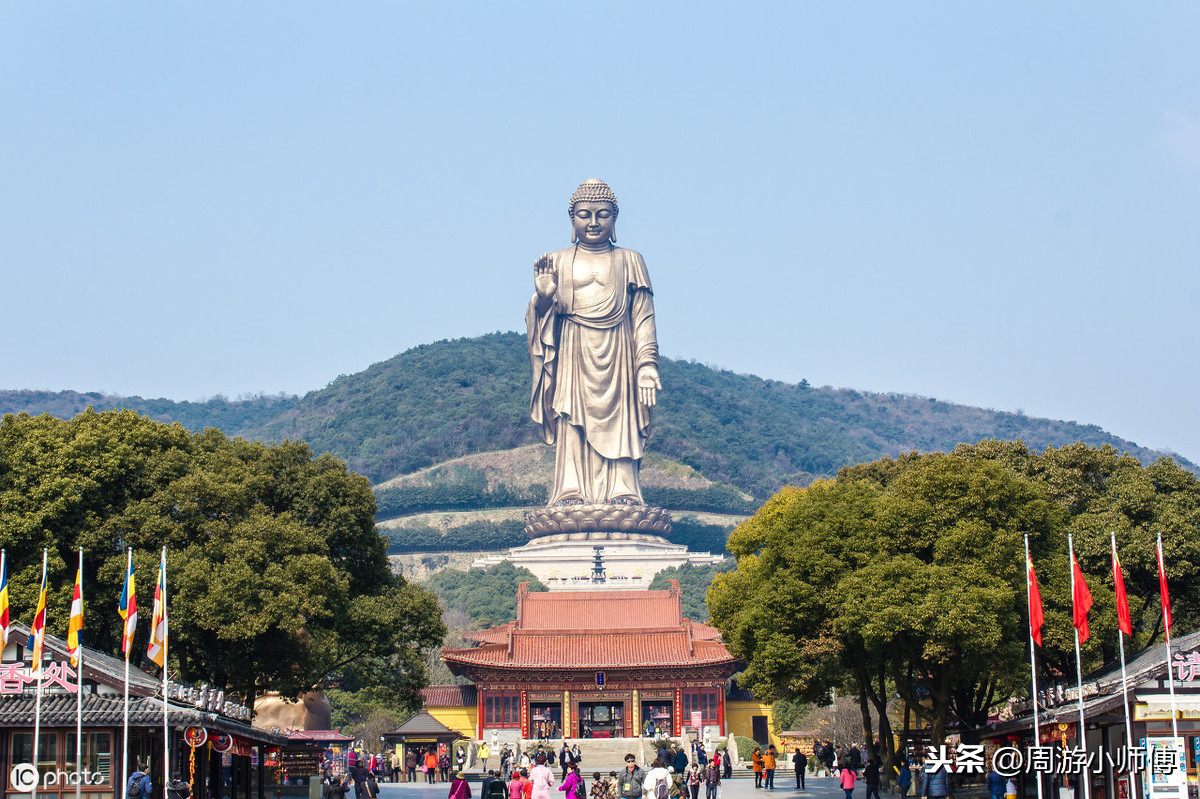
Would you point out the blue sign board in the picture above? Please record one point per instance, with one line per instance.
(600, 683)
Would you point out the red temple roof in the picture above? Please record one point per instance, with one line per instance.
(594, 630)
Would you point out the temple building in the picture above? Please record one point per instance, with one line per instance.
(595, 664)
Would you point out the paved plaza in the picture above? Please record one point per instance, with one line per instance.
(739, 788)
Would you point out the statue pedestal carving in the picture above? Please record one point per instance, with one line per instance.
(586, 518)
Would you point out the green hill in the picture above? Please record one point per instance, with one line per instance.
(449, 399)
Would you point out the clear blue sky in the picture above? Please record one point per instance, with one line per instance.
(997, 204)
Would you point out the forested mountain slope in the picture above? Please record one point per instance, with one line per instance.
(453, 398)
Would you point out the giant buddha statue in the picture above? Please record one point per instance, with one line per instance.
(594, 353)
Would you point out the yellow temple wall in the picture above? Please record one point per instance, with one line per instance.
(461, 719)
(739, 720)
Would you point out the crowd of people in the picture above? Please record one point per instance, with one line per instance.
(675, 773)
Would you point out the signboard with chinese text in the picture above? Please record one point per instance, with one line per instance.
(697, 719)
(15, 676)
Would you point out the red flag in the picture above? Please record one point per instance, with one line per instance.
(1124, 622)
(1162, 588)
(1081, 598)
(1036, 617)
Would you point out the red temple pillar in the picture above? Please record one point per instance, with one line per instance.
(479, 713)
(721, 711)
(525, 715)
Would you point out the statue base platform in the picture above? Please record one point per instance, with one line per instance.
(587, 518)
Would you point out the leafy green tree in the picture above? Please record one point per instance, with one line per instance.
(907, 575)
(916, 585)
(487, 596)
(276, 576)
(694, 582)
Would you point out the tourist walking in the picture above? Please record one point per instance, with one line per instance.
(484, 754)
(904, 778)
(630, 782)
(712, 781)
(871, 777)
(459, 787)
(995, 783)
(935, 783)
(681, 762)
(571, 785)
(542, 777)
(769, 762)
(847, 777)
(601, 787)
(800, 761)
(657, 784)
(431, 766)
(694, 777)
(726, 764)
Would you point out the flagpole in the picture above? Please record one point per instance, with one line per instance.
(1037, 727)
(37, 706)
(79, 695)
(1124, 676)
(127, 648)
(1087, 788)
(1167, 623)
(166, 727)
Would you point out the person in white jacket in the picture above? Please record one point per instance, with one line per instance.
(658, 772)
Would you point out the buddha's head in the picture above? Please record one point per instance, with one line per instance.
(593, 210)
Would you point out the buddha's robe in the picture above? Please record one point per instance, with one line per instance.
(586, 358)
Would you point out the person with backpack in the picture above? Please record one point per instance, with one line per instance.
(572, 785)
(139, 785)
(657, 784)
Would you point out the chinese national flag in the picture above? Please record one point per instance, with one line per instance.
(1081, 597)
(1124, 622)
(1162, 588)
(1036, 617)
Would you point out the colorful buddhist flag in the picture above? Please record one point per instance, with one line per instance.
(1036, 617)
(157, 650)
(127, 607)
(75, 625)
(4, 622)
(37, 632)
(1081, 598)
(1162, 587)
(1124, 622)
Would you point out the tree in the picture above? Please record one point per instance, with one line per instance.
(693, 582)
(276, 576)
(856, 583)
(907, 574)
